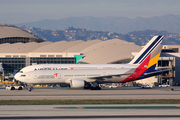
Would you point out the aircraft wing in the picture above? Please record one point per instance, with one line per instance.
(109, 76)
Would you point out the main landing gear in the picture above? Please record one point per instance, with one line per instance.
(28, 87)
(92, 86)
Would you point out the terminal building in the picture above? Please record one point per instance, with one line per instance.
(27, 49)
(12, 34)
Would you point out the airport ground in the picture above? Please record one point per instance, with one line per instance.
(92, 111)
(79, 94)
(86, 112)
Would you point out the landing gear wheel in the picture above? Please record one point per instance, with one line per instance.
(99, 88)
(29, 89)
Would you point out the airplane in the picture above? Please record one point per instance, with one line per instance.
(89, 76)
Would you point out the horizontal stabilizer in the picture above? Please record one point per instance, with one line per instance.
(152, 72)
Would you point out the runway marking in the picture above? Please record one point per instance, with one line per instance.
(122, 107)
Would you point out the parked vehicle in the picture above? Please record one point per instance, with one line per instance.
(113, 86)
(9, 87)
(146, 86)
(164, 85)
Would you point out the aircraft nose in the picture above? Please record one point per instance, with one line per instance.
(16, 76)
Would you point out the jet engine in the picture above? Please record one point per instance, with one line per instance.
(74, 83)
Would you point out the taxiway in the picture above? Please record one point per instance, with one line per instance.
(79, 94)
(104, 112)
(91, 112)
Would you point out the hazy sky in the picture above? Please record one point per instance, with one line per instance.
(20, 11)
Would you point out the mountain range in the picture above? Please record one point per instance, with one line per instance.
(168, 22)
(72, 34)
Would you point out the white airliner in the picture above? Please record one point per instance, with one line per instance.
(91, 75)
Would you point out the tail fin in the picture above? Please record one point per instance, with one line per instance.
(147, 59)
(150, 47)
(147, 67)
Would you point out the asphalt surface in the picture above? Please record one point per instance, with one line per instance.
(42, 112)
(91, 112)
(105, 93)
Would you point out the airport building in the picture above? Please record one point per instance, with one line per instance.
(12, 34)
(25, 52)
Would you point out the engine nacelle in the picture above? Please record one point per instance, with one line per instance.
(74, 83)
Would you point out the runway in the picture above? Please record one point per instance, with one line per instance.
(104, 112)
(79, 94)
(91, 112)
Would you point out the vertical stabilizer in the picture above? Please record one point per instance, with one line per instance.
(147, 59)
(151, 46)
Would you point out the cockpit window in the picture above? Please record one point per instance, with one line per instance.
(21, 71)
(23, 75)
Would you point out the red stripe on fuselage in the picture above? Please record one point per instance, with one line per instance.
(139, 70)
